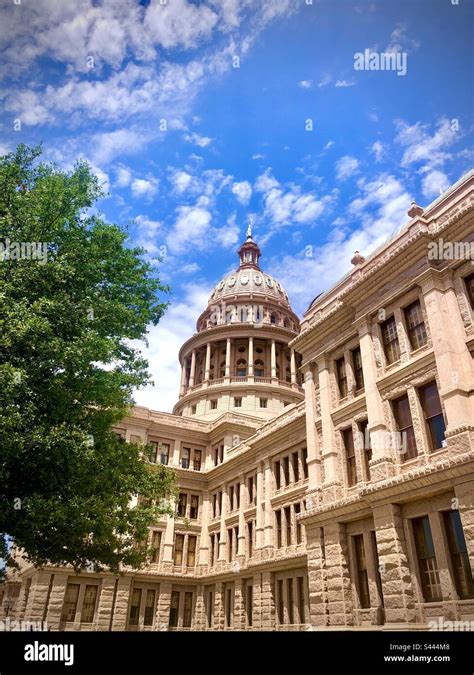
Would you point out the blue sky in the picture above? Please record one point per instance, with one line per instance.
(199, 115)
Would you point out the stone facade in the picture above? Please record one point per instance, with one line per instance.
(328, 486)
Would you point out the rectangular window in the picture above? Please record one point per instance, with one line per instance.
(291, 601)
(289, 540)
(249, 603)
(341, 377)
(402, 414)
(298, 524)
(459, 557)
(197, 460)
(178, 549)
(153, 456)
(390, 342)
(210, 609)
(193, 409)
(286, 470)
(216, 456)
(88, 605)
(378, 578)
(428, 566)
(228, 607)
(365, 446)
(361, 570)
(250, 488)
(237, 402)
(214, 404)
(469, 281)
(156, 545)
(280, 602)
(70, 602)
(188, 610)
(174, 608)
(164, 450)
(149, 607)
(301, 608)
(185, 458)
(250, 538)
(433, 413)
(231, 498)
(296, 466)
(263, 402)
(182, 503)
(305, 462)
(415, 325)
(135, 606)
(276, 473)
(230, 549)
(358, 371)
(348, 439)
(194, 510)
(191, 555)
(278, 528)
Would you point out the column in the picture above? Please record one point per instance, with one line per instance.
(243, 502)
(453, 360)
(313, 444)
(268, 515)
(381, 464)
(182, 389)
(168, 544)
(250, 370)
(227, 358)
(239, 607)
(222, 557)
(38, 597)
(193, 369)
(163, 606)
(273, 359)
(121, 603)
(207, 367)
(394, 565)
(293, 366)
(219, 617)
(56, 600)
(332, 487)
(464, 503)
(318, 607)
(105, 607)
(260, 513)
(267, 601)
(339, 587)
(204, 540)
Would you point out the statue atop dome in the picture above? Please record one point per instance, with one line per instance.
(249, 252)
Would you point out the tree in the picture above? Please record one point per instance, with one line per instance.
(67, 371)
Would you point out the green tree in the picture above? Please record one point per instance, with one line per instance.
(67, 372)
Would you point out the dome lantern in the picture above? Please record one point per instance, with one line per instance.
(249, 252)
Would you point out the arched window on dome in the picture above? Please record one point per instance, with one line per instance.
(222, 369)
(273, 318)
(259, 369)
(288, 375)
(211, 371)
(241, 370)
(286, 323)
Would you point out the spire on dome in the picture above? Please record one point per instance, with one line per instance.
(249, 252)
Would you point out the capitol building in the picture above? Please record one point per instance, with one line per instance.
(325, 465)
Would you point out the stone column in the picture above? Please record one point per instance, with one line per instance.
(318, 608)
(121, 603)
(312, 436)
(381, 464)
(453, 360)
(223, 532)
(219, 616)
(204, 561)
(273, 359)
(464, 502)
(393, 564)
(163, 606)
(267, 602)
(268, 537)
(168, 545)
(56, 600)
(242, 504)
(250, 369)
(207, 367)
(199, 622)
(239, 607)
(38, 597)
(260, 513)
(182, 389)
(193, 369)
(332, 487)
(293, 366)
(227, 358)
(105, 606)
(339, 587)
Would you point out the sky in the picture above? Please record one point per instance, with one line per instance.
(199, 115)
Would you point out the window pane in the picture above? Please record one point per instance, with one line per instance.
(135, 606)
(173, 622)
(88, 606)
(427, 563)
(149, 607)
(415, 325)
(390, 340)
(459, 557)
(70, 602)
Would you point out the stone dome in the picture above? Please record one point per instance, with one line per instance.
(249, 280)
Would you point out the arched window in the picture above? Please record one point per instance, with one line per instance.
(259, 369)
(273, 318)
(288, 375)
(241, 368)
(222, 369)
(286, 323)
(211, 372)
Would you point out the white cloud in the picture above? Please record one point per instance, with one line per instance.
(243, 191)
(179, 23)
(111, 144)
(325, 80)
(190, 228)
(182, 181)
(345, 167)
(123, 176)
(434, 183)
(423, 147)
(344, 83)
(305, 84)
(229, 235)
(400, 42)
(258, 156)
(146, 188)
(147, 234)
(378, 150)
(201, 141)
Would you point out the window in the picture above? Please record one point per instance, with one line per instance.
(276, 473)
(459, 558)
(185, 458)
(301, 609)
(153, 451)
(273, 318)
(237, 402)
(191, 555)
(259, 369)
(291, 598)
(361, 570)
(149, 607)
(197, 460)
(390, 342)
(182, 503)
(341, 377)
(278, 528)
(434, 419)
(250, 538)
(164, 450)
(70, 602)
(263, 402)
(365, 446)
(250, 488)
(178, 549)
(298, 524)
(402, 414)
(427, 564)
(135, 606)
(228, 607)
(193, 409)
(249, 602)
(231, 498)
(348, 440)
(241, 368)
(358, 371)
(174, 606)
(214, 404)
(289, 538)
(286, 470)
(187, 611)
(305, 462)
(280, 603)
(469, 281)
(296, 466)
(156, 545)
(194, 510)
(415, 325)
(210, 608)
